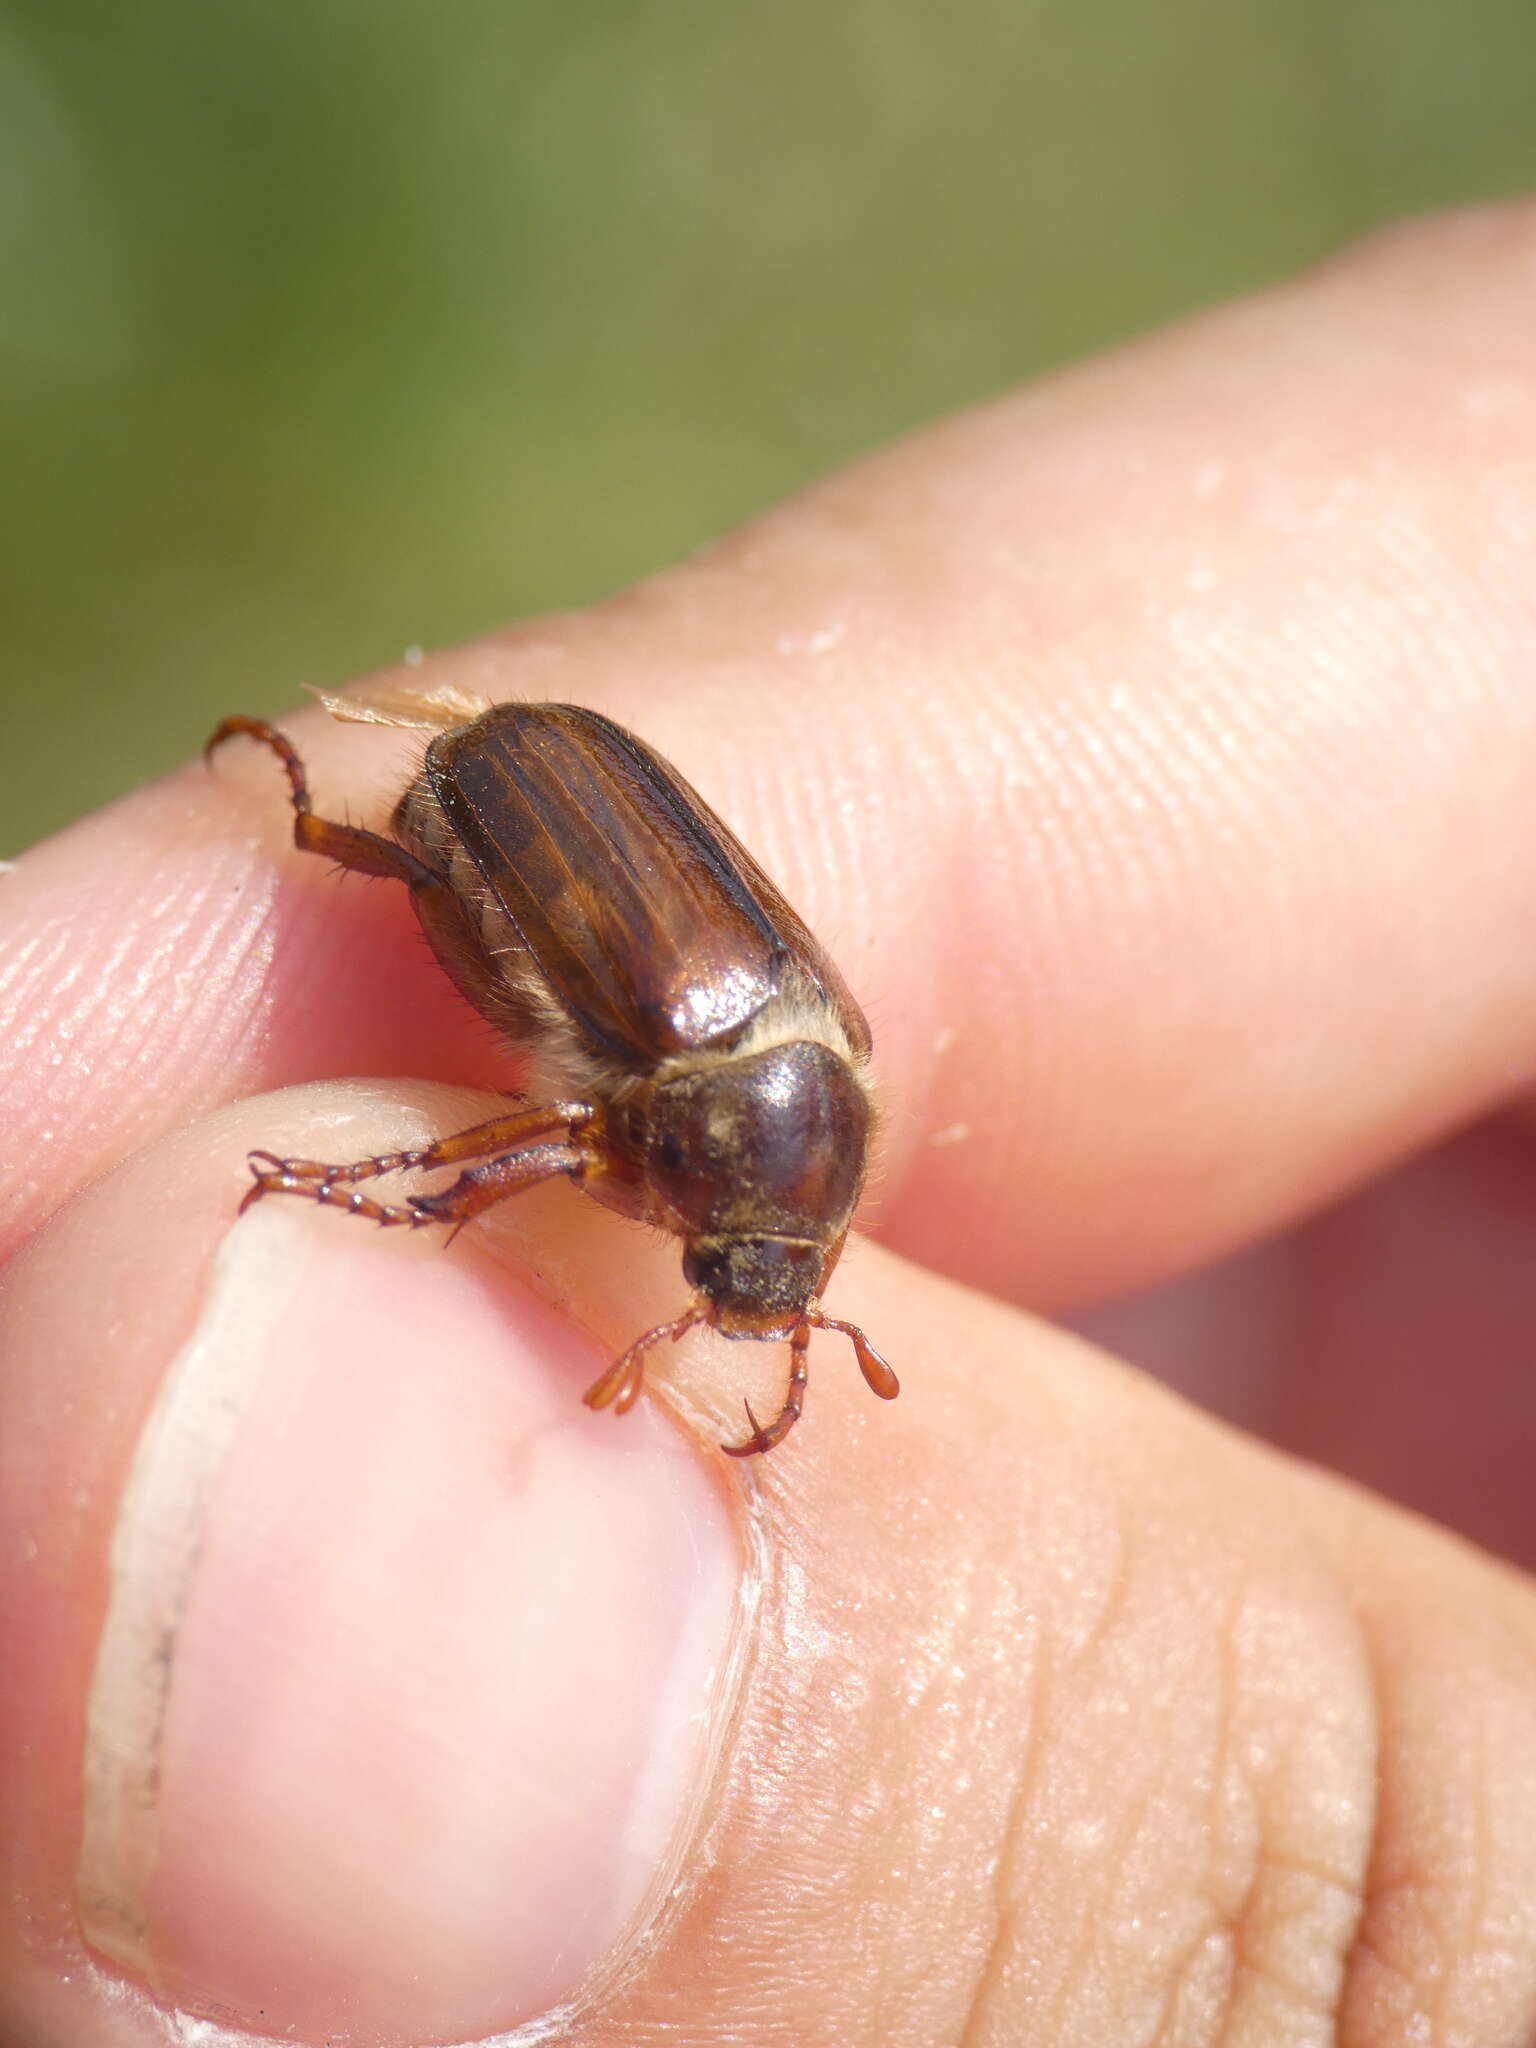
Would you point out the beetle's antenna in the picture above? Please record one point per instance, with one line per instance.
(619, 1387)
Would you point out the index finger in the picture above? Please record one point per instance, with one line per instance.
(1150, 749)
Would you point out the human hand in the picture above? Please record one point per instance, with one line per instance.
(1154, 752)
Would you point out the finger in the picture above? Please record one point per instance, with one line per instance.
(1061, 1709)
(1389, 1339)
(344, 1580)
(1152, 749)
(173, 953)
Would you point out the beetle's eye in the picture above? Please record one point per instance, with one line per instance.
(671, 1150)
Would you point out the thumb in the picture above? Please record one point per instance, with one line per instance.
(414, 1702)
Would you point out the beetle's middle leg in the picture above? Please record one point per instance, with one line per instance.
(479, 1188)
(367, 853)
(501, 1134)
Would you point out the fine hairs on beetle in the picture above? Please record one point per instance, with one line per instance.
(706, 1067)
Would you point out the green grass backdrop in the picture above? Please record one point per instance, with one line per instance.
(331, 327)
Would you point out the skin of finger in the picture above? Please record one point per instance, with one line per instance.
(1068, 1715)
(1148, 748)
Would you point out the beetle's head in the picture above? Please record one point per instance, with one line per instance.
(755, 1286)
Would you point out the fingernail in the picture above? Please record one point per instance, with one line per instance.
(403, 1698)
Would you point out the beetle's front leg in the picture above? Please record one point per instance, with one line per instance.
(794, 1401)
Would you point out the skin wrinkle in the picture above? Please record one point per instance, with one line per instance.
(990, 1926)
(920, 1849)
(1445, 1913)
(1235, 1924)
(1477, 1920)
(1229, 1921)
(189, 927)
(1382, 1966)
(1187, 2002)
(995, 1976)
(1477, 1912)
(1382, 1899)
(1246, 1928)
(38, 1022)
(1354, 1885)
(1522, 1648)
(884, 1960)
(1070, 770)
(30, 966)
(1304, 2005)
(1194, 1995)
(1088, 1961)
(187, 924)
(214, 971)
(1232, 1928)
(1002, 1915)
(1389, 1983)
(1238, 1922)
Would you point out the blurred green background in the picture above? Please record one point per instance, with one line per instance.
(329, 328)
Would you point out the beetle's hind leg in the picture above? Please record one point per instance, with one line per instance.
(764, 1439)
(366, 853)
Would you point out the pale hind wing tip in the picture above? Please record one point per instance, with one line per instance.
(434, 710)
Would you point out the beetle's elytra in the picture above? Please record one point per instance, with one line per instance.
(706, 1068)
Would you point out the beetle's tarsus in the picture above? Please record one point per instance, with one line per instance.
(269, 736)
(794, 1400)
(756, 1444)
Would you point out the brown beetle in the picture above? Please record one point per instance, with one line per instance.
(707, 1067)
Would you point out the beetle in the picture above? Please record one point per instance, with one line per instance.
(706, 1068)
